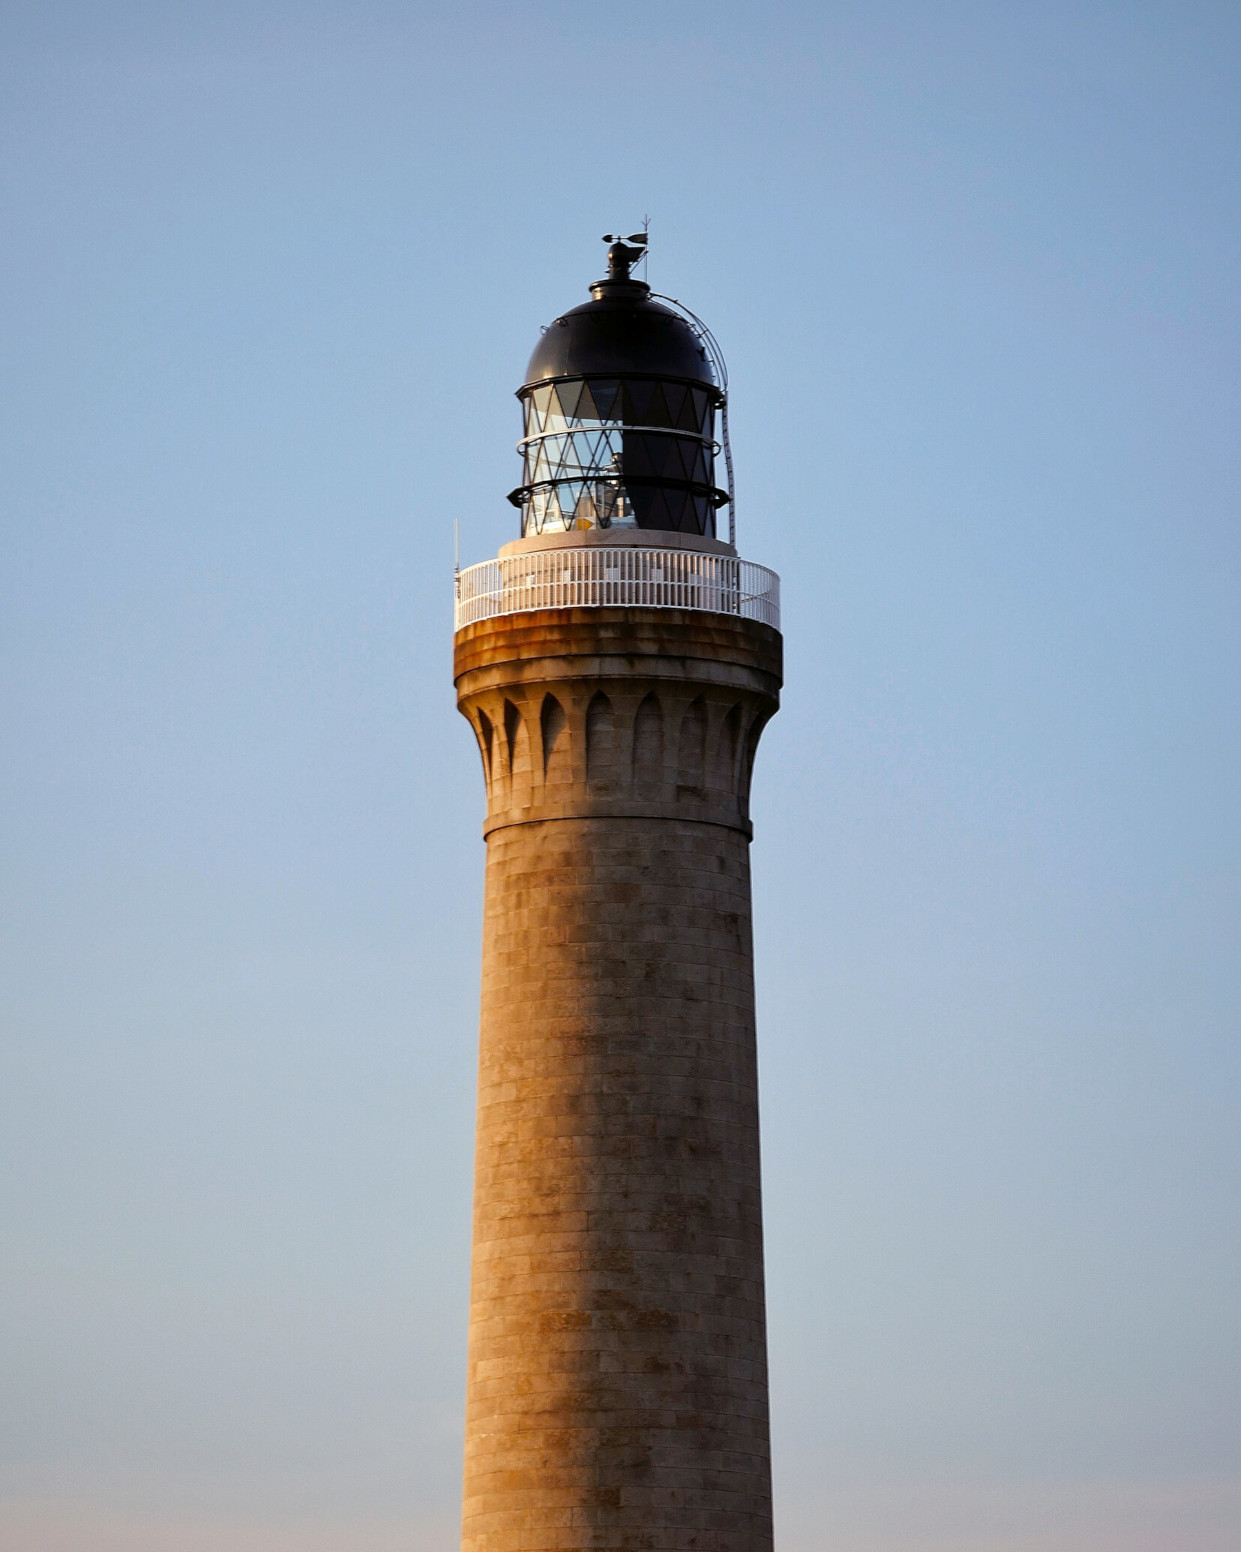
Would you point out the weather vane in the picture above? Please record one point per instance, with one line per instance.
(624, 252)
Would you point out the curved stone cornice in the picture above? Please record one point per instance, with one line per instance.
(642, 713)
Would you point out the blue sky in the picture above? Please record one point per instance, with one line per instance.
(270, 275)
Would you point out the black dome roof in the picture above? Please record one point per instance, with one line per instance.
(621, 332)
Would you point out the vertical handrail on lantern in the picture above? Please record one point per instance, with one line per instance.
(598, 577)
(720, 367)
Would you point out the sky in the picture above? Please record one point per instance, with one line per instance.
(269, 276)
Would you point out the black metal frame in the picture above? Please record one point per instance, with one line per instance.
(714, 494)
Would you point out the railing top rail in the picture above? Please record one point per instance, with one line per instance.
(599, 576)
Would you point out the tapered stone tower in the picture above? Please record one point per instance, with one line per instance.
(617, 664)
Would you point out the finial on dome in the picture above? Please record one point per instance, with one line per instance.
(624, 253)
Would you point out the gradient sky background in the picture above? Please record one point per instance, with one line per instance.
(270, 274)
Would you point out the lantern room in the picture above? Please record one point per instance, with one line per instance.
(619, 403)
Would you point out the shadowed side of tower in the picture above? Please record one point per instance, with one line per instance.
(617, 683)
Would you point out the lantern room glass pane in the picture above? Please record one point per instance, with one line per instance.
(568, 394)
(638, 401)
(537, 404)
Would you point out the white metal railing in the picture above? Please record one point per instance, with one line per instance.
(595, 577)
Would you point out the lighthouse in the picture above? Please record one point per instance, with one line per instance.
(617, 663)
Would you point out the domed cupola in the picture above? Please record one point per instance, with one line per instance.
(619, 400)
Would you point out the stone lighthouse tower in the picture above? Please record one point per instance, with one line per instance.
(618, 663)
